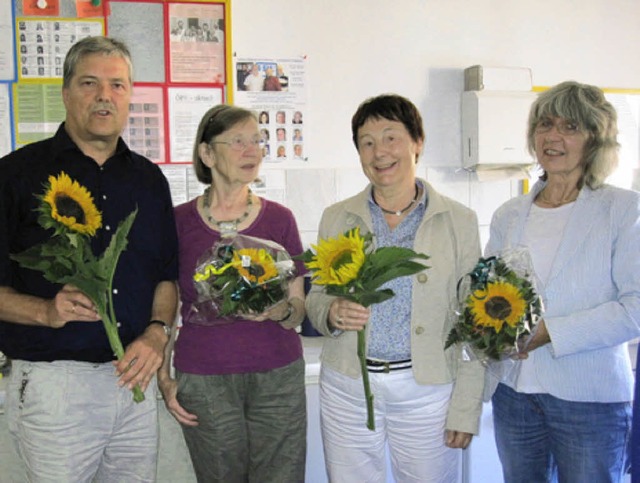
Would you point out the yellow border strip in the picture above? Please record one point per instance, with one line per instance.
(610, 90)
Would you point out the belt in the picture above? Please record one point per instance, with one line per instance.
(387, 366)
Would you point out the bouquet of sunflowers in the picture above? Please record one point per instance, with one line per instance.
(499, 308)
(240, 275)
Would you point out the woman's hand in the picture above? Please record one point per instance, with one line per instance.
(540, 337)
(347, 315)
(457, 439)
(169, 389)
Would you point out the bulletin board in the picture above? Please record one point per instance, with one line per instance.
(181, 57)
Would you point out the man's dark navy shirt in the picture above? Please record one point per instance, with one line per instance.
(125, 181)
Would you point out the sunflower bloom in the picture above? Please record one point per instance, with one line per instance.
(72, 205)
(338, 260)
(255, 265)
(499, 303)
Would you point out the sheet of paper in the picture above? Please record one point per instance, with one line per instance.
(145, 130)
(276, 90)
(5, 120)
(196, 43)
(39, 110)
(43, 44)
(187, 105)
(7, 65)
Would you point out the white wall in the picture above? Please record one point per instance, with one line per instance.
(419, 48)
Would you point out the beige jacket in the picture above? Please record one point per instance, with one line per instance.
(449, 235)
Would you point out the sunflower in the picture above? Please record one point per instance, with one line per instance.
(70, 204)
(499, 303)
(255, 265)
(338, 260)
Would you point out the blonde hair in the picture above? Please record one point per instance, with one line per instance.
(586, 106)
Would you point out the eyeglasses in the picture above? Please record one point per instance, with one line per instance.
(240, 144)
(563, 126)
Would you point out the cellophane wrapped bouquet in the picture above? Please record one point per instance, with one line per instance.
(238, 276)
(498, 308)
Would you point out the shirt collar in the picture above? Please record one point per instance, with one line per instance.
(62, 142)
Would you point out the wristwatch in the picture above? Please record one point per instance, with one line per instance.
(165, 327)
(290, 310)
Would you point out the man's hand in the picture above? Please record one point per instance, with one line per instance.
(70, 304)
(142, 358)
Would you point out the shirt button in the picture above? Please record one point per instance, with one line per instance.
(104, 197)
(115, 291)
(422, 277)
(107, 227)
(419, 330)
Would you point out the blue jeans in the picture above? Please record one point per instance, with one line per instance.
(541, 438)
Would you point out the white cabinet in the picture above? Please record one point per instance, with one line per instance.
(494, 128)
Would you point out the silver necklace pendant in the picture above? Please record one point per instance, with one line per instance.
(228, 228)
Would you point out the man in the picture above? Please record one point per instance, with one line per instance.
(217, 34)
(178, 31)
(254, 81)
(208, 35)
(70, 412)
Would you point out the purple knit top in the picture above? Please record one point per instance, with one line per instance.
(242, 346)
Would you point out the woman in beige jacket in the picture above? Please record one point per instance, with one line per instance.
(427, 401)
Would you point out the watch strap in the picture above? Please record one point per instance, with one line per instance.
(165, 326)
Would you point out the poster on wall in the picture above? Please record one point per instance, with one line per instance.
(187, 105)
(7, 66)
(44, 43)
(144, 133)
(276, 90)
(39, 110)
(628, 109)
(5, 120)
(196, 43)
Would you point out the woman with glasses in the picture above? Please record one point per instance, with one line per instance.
(239, 392)
(427, 401)
(566, 415)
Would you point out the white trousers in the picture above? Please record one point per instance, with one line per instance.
(72, 424)
(408, 416)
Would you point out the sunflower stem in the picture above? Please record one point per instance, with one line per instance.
(116, 345)
(111, 325)
(365, 379)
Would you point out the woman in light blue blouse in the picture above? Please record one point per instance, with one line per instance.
(567, 414)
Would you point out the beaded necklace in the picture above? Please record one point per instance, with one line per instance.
(228, 226)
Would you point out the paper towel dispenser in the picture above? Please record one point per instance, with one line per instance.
(494, 128)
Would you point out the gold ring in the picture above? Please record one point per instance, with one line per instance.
(73, 307)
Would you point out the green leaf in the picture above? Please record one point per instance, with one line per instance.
(391, 255)
(109, 259)
(306, 256)
(374, 297)
(401, 269)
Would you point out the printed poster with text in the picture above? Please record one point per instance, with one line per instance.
(196, 43)
(276, 90)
